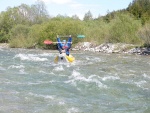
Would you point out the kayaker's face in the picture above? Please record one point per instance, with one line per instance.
(64, 43)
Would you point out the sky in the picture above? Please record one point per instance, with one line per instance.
(72, 7)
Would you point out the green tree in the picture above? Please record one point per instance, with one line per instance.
(24, 15)
(140, 9)
(38, 12)
(75, 17)
(88, 16)
(6, 23)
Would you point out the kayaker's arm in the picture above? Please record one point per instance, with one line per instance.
(59, 45)
(69, 42)
(59, 42)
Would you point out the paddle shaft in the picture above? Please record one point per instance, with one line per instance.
(61, 42)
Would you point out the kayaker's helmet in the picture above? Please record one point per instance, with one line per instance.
(64, 41)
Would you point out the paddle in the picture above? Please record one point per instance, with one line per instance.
(48, 42)
(81, 36)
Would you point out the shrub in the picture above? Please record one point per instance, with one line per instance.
(96, 31)
(61, 27)
(124, 29)
(144, 34)
(18, 35)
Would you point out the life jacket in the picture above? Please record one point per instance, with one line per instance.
(64, 46)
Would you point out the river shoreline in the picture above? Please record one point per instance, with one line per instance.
(120, 48)
(4, 45)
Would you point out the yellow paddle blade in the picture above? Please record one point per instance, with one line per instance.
(56, 59)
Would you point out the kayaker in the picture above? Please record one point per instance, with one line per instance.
(63, 47)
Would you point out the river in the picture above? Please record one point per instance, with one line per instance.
(30, 82)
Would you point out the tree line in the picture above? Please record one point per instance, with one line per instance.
(28, 26)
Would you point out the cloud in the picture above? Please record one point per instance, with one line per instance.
(58, 1)
(76, 5)
(72, 7)
(81, 9)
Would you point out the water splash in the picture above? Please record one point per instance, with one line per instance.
(30, 57)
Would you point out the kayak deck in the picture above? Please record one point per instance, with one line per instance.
(64, 58)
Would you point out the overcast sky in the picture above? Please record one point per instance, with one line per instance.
(72, 7)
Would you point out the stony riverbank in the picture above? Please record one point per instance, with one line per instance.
(4, 45)
(105, 48)
(112, 48)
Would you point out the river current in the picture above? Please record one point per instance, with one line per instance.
(30, 82)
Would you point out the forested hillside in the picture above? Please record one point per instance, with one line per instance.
(28, 26)
(140, 9)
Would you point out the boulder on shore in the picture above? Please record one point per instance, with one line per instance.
(112, 48)
(4, 45)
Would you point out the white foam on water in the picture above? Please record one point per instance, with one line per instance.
(9, 82)
(77, 77)
(61, 103)
(68, 65)
(45, 54)
(86, 61)
(21, 67)
(14, 92)
(30, 57)
(39, 82)
(59, 68)
(141, 84)
(21, 71)
(146, 76)
(16, 66)
(87, 58)
(73, 110)
(41, 96)
(132, 71)
(110, 78)
(51, 98)
(77, 62)
(97, 59)
(45, 72)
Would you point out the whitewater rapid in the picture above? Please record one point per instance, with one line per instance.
(30, 82)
